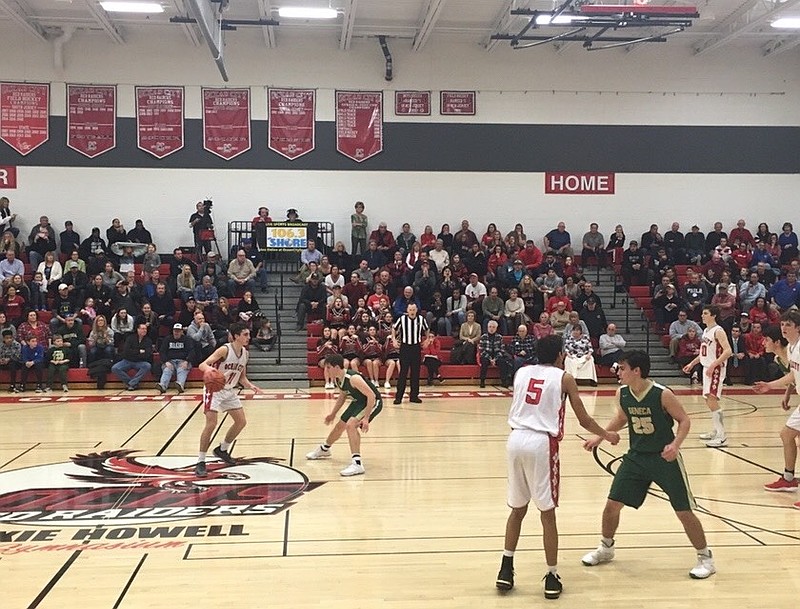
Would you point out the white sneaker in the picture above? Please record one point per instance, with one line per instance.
(328, 385)
(704, 567)
(64, 388)
(318, 453)
(600, 555)
(709, 435)
(717, 442)
(353, 470)
(387, 385)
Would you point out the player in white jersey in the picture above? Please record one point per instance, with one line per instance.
(537, 422)
(231, 360)
(715, 349)
(790, 327)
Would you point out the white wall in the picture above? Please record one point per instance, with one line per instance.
(660, 84)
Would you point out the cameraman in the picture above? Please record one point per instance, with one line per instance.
(202, 226)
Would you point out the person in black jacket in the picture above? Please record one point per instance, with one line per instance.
(178, 351)
(69, 239)
(313, 299)
(137, 354)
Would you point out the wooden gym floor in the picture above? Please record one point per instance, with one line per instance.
(422, 529)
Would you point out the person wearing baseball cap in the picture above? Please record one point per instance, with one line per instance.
(177, 352)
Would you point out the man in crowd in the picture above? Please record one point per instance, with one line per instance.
(594, 246)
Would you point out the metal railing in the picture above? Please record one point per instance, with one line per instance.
(278, 330)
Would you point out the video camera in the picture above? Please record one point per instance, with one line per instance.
(207, 205)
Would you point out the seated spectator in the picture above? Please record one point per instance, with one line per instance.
(750, 291)
(203, 336)
(475, 293)
(559, 295)
(787, 241)
(222, 317)
(431, 356)
(695, 295)
(559, 318)
(611, 347)
(10, 358)
(76, 281)
(205, 294)
(593, 246)
(745, 324)
(87, 313)
(764, 314)
(460, 271)
(531, 296)
(595, 319)
(675, 243)
(264, 337)
(355, 289)
(58, 356)
(741, 256)
(714, 237)
(652, 241)
(695, 246)
(350, 348)
(100, 344)
(163, 305)
(311, 305)
(8, 243)
(575, 320)
(248, 309)
(491, 353)
(634, 266)
(476, 261)
(572, 291)
(4, 325)
(549, 283)
(334, 278)
(178, 351)
(241, 273)
(761, 254)
(179, 261)
(666, 308)
(559, 241)
(688, 348)
(521, 350)
(122, 325)
(679, 328)
(440, 256)
(517, 236)
(337, 315)
(41, 243)
(579, 361)
(93, 247)
(513, 312)
(469, 335)
(401, 303)
(51, 271)
(455, 315)
(755, 368)
(13, 305)
(33, 327)
(464, 239)
(64, 304)
(257, 260)
(543, 327)
(428, 238)
(137, 354)
(785, 294)
(185, 283)
(32, 358)
(492, 308)
(405, 239)
(74, 340)
(425, 283)
(11, 266)
(384, 242)
(495, 264)
(531, 257)
(151, 261)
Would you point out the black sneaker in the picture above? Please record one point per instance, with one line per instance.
(552, 586)
(181, 388)
(505, 578)
(224, 455)
(161, 389)
(200, 469)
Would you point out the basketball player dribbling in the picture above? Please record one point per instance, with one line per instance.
(231, 360)
(715, 349)
(537, 422)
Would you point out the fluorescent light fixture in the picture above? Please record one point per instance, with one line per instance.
(132, 7)
(560, 20)
(787, 23)
(299, 12)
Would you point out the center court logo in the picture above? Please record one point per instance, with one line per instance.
(114, 488)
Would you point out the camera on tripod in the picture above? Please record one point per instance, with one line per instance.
(207, 205)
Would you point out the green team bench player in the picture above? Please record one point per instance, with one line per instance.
(365, 405)
(649, 410)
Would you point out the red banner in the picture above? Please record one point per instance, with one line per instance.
(159, 120)
(579, 183)
(8, 176)
(226, 122)
(24, 115)
(91, 119)
(359, 124)
(292, 125)
(412, 103)
(457, 102)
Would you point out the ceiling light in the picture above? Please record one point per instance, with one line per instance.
(132, 7)
(560, 20)
(787, 23)
(299, 12)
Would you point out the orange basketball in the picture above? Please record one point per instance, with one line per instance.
(213, 379)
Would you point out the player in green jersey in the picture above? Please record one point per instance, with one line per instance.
(365, 405)
(649, 410)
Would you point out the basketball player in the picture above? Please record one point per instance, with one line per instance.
(790, 328)
(231, 360)
(537, 422)
(366, 404)
(649, 410)
(714, 353)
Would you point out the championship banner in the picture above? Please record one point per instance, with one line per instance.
(286, 236)
(24, 115)
(359, 124)
(457, 103)
(292, 125)
(159, 120)
(91, 119)
(226, 122)
(412, 103)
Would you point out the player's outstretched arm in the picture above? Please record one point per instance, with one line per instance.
(336, 408)
(727, 351)
(670, 403)
(763, 386)
(570, 387)
(219, 354)
(248, 383)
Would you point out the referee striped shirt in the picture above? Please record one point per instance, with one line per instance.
(410, 331)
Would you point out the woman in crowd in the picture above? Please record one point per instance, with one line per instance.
(222, 318)
(447, 237)
(470, 335)
(497, 260)
(338, 315)
(151, 262)
(413, 255)
(7, 218)
(764, 314)
(763, 233)
(488, 236)
(371, 351)
(13, 305)
(22, 288)
(4, 325)
(543, 327)
(391, 352)
(358, 230)
(326, 345)
(688, 349)
(513, 313)
(100, 344)
(579, 361)
(248, 308)
(616, 244)
(33, 327)
(110, 277)
(787, 241)
(448, 284)
(185, 283)
(122, 326)
(51, 271)
(774, 248)
(517, 236)
(431, 356)
(88, 312)
(405, 238)
(9, 243)
(350, 348)
(459, 269)
(428, 238)
(572, 290)
(340, 258)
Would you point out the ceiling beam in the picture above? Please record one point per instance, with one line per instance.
(741, 21)
(348, 24)
(189, 30)
(429, 19)
(19, 15)
(265, 12)
(503, 20)
(780, 45)
(104, 21)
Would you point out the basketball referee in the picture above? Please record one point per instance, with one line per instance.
(411, 329)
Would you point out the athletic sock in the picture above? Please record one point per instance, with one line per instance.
(356, 458)
(788, 475)
(719, 426)
(201, 457)
(508, 553)
(607, 541)
(325, 447)
(225, 446)
(705, 552)
(553, 569)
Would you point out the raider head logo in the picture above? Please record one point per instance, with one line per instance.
(114, 488)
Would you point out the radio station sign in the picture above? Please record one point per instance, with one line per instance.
(565, 183)
(286, 236)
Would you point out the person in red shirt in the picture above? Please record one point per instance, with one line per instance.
(497, 259)
(756, 367)
(741, 256)
(384, 239)
(558, 296)
(431, 356)
(13, 305)
(531, 256)
(741, 235)
(354, 290)
(259, 228)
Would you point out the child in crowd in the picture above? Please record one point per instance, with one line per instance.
(59, 363)
(151, 261)
(38, 293)
(88, 313)
(264, 338)
(10, 358)
(32, 358)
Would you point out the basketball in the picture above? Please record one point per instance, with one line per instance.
(213, 379)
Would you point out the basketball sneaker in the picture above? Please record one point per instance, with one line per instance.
(717, 442)
(505, 578)
(709, 435)
(224, 455)
(354, 469)
(704, 567)
(782, 485)
(200, 469)
(552, 585)
(387, 385)
(602, 554)
(318, 453)
(329, 386)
